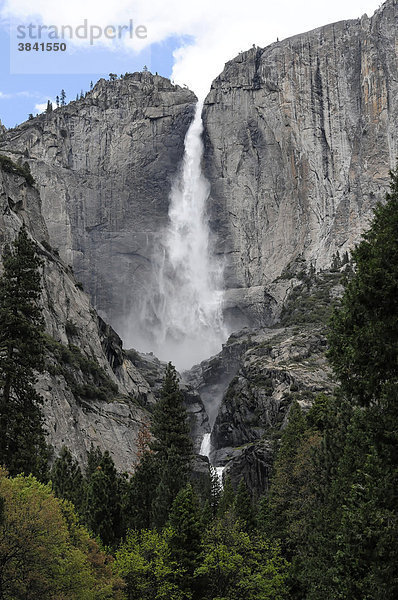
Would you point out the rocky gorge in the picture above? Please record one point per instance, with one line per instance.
(299, 138)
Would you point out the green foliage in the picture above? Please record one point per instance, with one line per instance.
(285, 511)
(236, 565)
(293, 432)
(172, 446)
(22, 440)
(243, 507)
(185, 532)
(172, 561)
(44, 552)
(227, 498)
(99, 495)
(169, 422)
(67, 479)
(215, 492)
(103, 501)
(9, 166)
(232, 565)
(144, 561)
(351, 548)
(364, 329)
(69, 361)
(311, 301)
(141, 492)
(318, 414)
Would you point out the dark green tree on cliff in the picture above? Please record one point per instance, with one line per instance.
(364, 330)
(172, 445)
(22, 440)
(352, 550)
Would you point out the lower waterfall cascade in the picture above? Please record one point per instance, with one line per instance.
(205, 450)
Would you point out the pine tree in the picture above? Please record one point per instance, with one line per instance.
(243, 507)
(169, 422)
(364, 329)
(67, 479)
(236, 566)
(172, 476)
(94, 457)
(140, 493)
(103, 503)
(227, 498)
(185, 533)
(49, 108)
(22, 439)
(63, 97)
(352, 548)
(172, 445)
(285, 511)
(57, 101)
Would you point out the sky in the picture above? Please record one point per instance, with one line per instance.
(186, 41)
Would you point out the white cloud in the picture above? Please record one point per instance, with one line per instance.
(220, 28)
(17, 95)
(41, 107)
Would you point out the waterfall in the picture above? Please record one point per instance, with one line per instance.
(181, 319)
(205, 450)
(205, 446)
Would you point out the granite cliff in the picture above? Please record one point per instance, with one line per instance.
(299, 138)
(104, 166)
(93, 391)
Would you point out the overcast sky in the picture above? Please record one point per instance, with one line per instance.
(188, 41)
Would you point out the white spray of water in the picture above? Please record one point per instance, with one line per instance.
(205, 450)
(205, 447)
(182, 317)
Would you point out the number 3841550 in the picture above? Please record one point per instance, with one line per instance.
(42, 47)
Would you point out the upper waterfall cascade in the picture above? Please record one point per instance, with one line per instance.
(182, 315)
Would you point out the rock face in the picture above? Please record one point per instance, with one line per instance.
(93, 393)
(279, 366)
(2, 129)
(70, 321)
(104, 167)
(153, 370)
(264, 371)
(299, 140)
(254, 464)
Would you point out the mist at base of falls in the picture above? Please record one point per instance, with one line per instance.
(180, 319)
